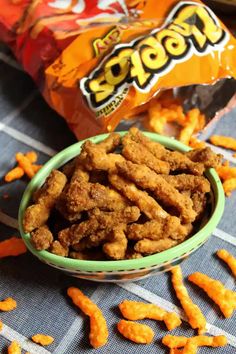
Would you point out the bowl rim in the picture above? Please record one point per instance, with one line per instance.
(121, 265)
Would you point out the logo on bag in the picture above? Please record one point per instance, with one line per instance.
(189, 29)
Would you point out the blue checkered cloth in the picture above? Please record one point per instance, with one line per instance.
(26, 122)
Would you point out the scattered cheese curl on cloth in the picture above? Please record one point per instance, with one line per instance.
(136, 332)
(224, 298)
(229, 185)
(12, 247)
(42, 339)
(197, 341)
(14, 348)
(98, 328)
(8, 304)
(228, 259)
(134, 310)
(223, 141)
(195, 316)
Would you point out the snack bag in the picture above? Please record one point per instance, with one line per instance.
(95, 60)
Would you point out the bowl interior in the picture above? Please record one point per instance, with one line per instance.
(110, 266)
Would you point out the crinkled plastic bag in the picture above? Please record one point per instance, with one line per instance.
(95, 60)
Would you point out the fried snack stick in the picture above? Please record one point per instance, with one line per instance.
(159, 229)
(228, 259)
(12, 247)
(199, 203)
(223, 141)
(98, 328)
(195, 317)
(205, 156)
(89, 255)
(147, 246)
(184, 182)
(42, 339)
(146, 204)
(82, 196)
(37, 214)
(137, 153)
(97, 220)
(98, 159)
(136, 332)
(14, 348)
(92, 240)
(116, 247)
(59, 249)
(134, 310)
(15, 173)
(175, 159)
(229, 185)
(224, 298)
(8, 304)
(164, 191)
(173, 342)
(41, 238)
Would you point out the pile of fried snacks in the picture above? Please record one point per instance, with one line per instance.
(137, 310)
(25, 166)
(110, 205)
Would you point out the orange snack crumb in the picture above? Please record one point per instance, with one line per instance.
(196, 144)
(190, 127)
(226, 172)
(42, 339)
(229, 185)
(25, 164)
(228, 259)
(14, 348)
(134, 310)
(195, 317)
(98, 328)
(1, 325)
(15, 173)
(173, 342)
(12, 247)
(32, 156)
(8, 304)
(224, 298)
(223, 141)
(136, 332)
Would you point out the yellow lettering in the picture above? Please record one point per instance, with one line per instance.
(153, 54)
(137, 71)
(174, 43)
(117, 68)
(100, 88)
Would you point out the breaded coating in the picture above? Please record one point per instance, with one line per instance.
(110, 143)
(164, 191)
(35, 216)
(92, 240)
(117, 245)
(97, 220)
(147, 246)
(41, 238)
(199, 203)
(205, 156)
(175, 159)
(132, 254)
(99, 159)
(58, 249)
(107, 220)
(46, 197)
(137, 153)
(50, 191)
(88, 255)
(82, 196)
(68, 169)
(184, 182)
(146, 204)
(159, 229)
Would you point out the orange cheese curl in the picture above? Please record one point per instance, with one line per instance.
(136, 332)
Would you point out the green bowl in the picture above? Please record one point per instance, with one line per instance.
(124, 270)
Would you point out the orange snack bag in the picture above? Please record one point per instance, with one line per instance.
(131, 50)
